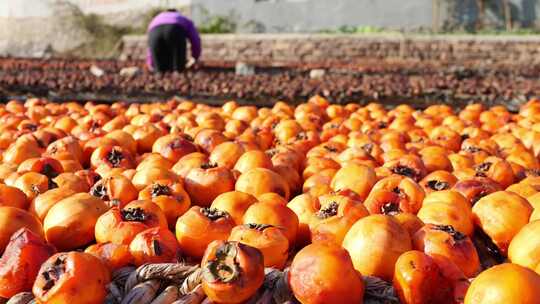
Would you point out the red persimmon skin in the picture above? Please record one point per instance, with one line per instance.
(20, 263)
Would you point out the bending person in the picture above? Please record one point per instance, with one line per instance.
(167, 34)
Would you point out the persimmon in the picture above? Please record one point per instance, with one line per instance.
(119, 226)
(253, 159)
(496, 169)
(393, 194)
(305, 206)
(418, 279)
(505, 283)
(11, 196)
(409, 221)
(33, 184)
(208, 139)
(41, 205)
(377, 260)
(69, 224)
(270, 240)
(444, 240)
(112, 157)
(235, 203)
(124, 140)
(410, 166)
(153, 160)
(226, 154)
(154, 245)
(435, 158)
(114, 256)
(116, 190)
(198, 227)
(437, 181)
(358, 178)
(523, 249)
(19, 264)
(144, 177)
(258, 181)
(47, 166)
(21, 150)
(65, 278)
(173, 147)
(476, 188)
(208, 181)
(89, 176)
(188, 162)
(232, 271)
(448, 208)
(66, 148)
(501, 215)
(324, 273)
(335, 217)
(12, 219)
(92, 144)
(170, 196)
(275, 214)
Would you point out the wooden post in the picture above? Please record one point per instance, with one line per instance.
(480, 21)
(435, 16)
(507, 15)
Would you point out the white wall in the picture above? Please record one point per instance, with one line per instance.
(115, 6)
(314, 15)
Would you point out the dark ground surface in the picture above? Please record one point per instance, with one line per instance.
(396, 82)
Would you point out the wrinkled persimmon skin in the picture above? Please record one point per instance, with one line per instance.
(114, 256)
(195, 230)
(270, 240)
(324, 273)
(445, 241)
(154, 245)
(418, 279)
(402, 192)
(476, 188)
(21, 261)
(119, 226)
(250, 275)
(77, 277)
(116, 190)
(12, 219)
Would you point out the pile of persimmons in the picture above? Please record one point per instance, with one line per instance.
(442, 205)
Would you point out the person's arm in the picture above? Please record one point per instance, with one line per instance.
(195, 40)
(149, 62)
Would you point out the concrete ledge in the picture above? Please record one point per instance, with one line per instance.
(350, 47)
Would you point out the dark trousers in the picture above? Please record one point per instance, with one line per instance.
(168, 48)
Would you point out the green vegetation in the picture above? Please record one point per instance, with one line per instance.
(217, 24)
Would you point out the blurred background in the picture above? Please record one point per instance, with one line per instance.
(95, 27)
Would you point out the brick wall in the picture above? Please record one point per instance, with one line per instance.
(315, 48)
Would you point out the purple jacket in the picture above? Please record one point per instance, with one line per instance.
(184, 23)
